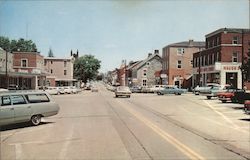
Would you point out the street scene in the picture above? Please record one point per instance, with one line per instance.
(96, 125)
(125, 80)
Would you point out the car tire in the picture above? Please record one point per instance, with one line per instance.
(223, 101)
(36, 120)
(209, 97)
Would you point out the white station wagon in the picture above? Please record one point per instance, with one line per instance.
(26, 106)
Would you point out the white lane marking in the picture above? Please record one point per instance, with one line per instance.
(225, 117)
(65, 146)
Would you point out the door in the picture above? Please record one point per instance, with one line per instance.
(232, 79)
(22, 109)
(6, 111)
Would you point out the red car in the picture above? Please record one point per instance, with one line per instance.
(247, 106)
(229, 95)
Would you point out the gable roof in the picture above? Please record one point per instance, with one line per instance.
(189, 43)
(146, 60)
(134, 65)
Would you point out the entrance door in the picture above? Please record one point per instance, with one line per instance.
(232, 79)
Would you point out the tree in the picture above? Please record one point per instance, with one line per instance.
(86, 68)
(50, 54)
(17, 45)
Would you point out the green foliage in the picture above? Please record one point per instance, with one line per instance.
(17, 45)
(50, 54)
(86, 68)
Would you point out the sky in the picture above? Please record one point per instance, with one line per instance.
(116, 30)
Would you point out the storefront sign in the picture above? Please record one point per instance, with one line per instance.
(207, 69)
(231, 68)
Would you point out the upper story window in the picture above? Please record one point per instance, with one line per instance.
(144, 72)
(235, 57)
(24, 62)
(235, 40)
(65, 63)
(218, 41)
(65, 72)
(51, 71)
(51, 62)
(179, 64)
(180, 51)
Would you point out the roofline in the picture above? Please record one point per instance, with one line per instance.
(175, 44)
(230, 30)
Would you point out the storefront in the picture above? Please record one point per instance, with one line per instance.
(221, 73)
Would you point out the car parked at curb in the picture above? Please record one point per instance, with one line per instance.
(52, 90)
(122, 91)
(214, 91)
(229, 95)
(26, 106)
(208, 86)
(247, 106)
(171, 90)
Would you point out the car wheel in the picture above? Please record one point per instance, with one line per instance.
(36, 120)
(234, 100)
(223, 101)
(209, 97)
(116, 96)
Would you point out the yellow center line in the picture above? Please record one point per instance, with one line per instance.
(180, 146)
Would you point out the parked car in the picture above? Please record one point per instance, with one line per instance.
(94, 89)
(156, 88)
(3, 90)
(135, 89)
(75, 89)
(214, 91)
(229, 95)
(247, 106)
(68, 89)
(145, 89)
(171, 90)
(52, 90)
(60, 90)
(208, 86)
(122, 91)
(29, 106)
(241, 97)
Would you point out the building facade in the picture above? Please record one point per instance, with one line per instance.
(143, 73)
(3, 63)
(28, 69)
(60, 71)
(221, 61)
(177, 62)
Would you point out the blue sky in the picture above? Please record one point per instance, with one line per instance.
(114, 30)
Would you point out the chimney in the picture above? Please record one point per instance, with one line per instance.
(156, 51)
(191, 42)
(149, 54)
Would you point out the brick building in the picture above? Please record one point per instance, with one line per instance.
(177, 62)
(29, 70)
(221, 61)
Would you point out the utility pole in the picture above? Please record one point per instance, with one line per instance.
(6, 70)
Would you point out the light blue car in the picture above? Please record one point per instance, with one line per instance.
(171, 90)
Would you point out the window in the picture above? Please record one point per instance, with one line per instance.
(37, 98)
(235, 57)
(65, 72)
(18, 99)
(65, 63)
(180, 51)
(51, 62)
(24, 62)
(145, 72)
(51, 71)
(218, 40)
(5, 100)
(235, 40)
(144, 82)
(179, 64)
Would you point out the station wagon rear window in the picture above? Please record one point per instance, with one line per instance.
(37, 98)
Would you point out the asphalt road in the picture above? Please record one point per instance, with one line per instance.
(96, 125)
